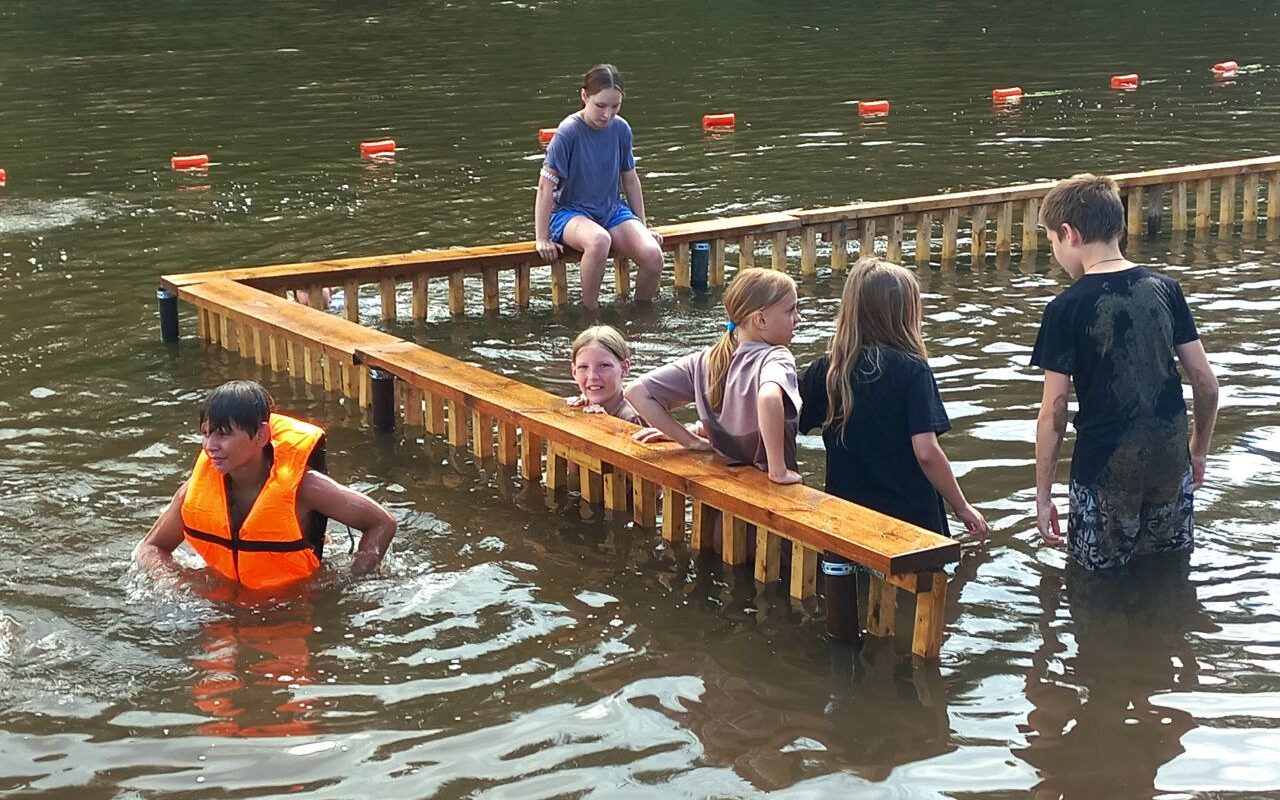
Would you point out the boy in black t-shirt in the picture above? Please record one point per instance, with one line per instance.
(1114, 333)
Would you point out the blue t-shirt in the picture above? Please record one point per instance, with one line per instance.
(590, 163)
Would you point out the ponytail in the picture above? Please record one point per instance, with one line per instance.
(753, 289)
(718, 361)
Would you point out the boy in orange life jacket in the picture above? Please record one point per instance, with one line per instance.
(256, 504)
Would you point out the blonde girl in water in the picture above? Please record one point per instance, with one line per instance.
(600, 360)
(744, 386)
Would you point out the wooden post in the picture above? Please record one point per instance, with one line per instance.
(457, 295)
(559, 284)
(589, 482)
(508, 452)
(702, 537)
(275, 354)
(768, 556)
(421, 296)
(644, 502)
(308, 366)
(804, 571)
(1227, 206)
(388, 293)
(978, 228)
(1273, 196)
(490, 278)
(481, 435)
(882, 604)
(346, 381)
(734, 551)
(867, 239)
(682, 265)
(615, 489)
(456, 430)
(1155, 209)
(365, 376)
(530, 456)
(412, 406)
(1004, 228)
(293, 358)
(1133, 223)
(716, 278)
(522, 286)
(1249, 209)
(1204, 210)
(780, 251)
(621, 276)
(950, 234)
(924, 239)
(747, 252)
(434, 417)
(809, 251)
(839, 246)
(259, 355)
(351, 300)
(672, 515)
(557, 467)
(1180, 206)
(1030, 230)
(330, 369)
(926, 640)
(894, 251)
(315, 296)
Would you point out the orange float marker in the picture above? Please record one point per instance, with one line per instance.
(545, 135)
(383, 148)
(1225, 69)
(4, 176)
(873, 108)
(718, 121)
(194, 161)
(1012, 94)
(1129, 81)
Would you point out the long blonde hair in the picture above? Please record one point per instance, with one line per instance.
(752, 290)
(607, 337)
(880, 307)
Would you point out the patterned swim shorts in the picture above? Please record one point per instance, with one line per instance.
(1107, 528)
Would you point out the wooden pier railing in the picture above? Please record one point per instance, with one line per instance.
(915, 231)
(528, 429)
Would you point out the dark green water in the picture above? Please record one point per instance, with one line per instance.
(516, 650)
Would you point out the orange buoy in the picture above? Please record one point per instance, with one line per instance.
(873, 108)
(1129, 81)
(1225, 69)
(545, 135)
(194, 161)
(1012, 94)
(711, 121)
(380, 147)
(4, 176)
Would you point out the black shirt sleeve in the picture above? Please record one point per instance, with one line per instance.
(1055, 348)
(925, 411)
(813, 395)
(1184, 327)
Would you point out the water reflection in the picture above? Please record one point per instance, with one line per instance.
(1095, 730)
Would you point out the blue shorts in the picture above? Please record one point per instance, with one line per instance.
(560, 218)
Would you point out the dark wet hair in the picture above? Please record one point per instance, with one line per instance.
(1089, 203)
(236, 404)
(601, 77)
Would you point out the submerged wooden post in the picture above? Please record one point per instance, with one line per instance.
(559, 284)
(924, 239)
(1249, 209)
(673, 503)
(644, 502)
(809, 251)
(804, 571)
(978, 229)
(481, 435)
(1155, 209)
(351, 300)
(839, 246)
(779, 254)
(522, 286)
(926, 640)
(1180, 206)
(1227, 205)
(1030, 230)
(682, 270)
(768, 568)
(882, 604)
(1204, 210)
(508, 445)
(621, 276)
(867, 239)
(702, 536)
(747, 252)
(1134, 218)
(457, 295)
(893, 251)
(950, 232)
(490, 278)
(387, 291)
(716, 278)
(734, 551)
(1004, 228)
(530, 456)
(421, 294)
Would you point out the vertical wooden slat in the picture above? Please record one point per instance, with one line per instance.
(557, 467)
(481, 435)
(621, 276)
(978, 228)
(387, 292)
(315, 296)
(1180, 206)
(716, 278)
(559, 284)
(804, 571)
(924, 239)
(308, 366)
(259, 354)
(672, 515)
(681, 258)
(508, 446)
(522, 286)
(779, 254)
(1204, 209)
(768, 556)
(809, 251)
(1273, 196)
(1133, 220)
(365, 376)
(293, 356)
(456, 429)
(1030, 230)
(458, 294)
(894, 251)
(434, 414)
(420, 304)
(351, 300)
(867, 238)
(644, 502)
(329, 371)
(1155, 209)
(950, 232)
(615, 490)
(1227, 205)
(839, 246)
(412, 406)
(224, 331)
(926, 639)
(702, 537)
(346, 381)
(202, 324)
(734, 551)
(747, 252)
(490, 277)
(242, 340)
(275, 346)
(1249, 207)
(882, 604)
(1004, 228)
(589, 482)
(530, 456)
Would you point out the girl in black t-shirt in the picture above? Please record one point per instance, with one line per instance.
(878, 405)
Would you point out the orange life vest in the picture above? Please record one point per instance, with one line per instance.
(270, 549)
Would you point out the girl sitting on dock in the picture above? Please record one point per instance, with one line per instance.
(744, 386)
(600, 359)
(578, 203)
